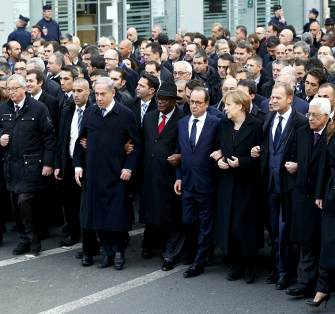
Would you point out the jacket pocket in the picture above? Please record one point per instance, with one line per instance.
(32, 166)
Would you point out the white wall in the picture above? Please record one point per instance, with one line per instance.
(191, 15)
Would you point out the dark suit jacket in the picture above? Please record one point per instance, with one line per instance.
(258, 101)
(53, 107)
(136, 108)
(166, 75)
(197, 170)
(266, 89)
(54, 89)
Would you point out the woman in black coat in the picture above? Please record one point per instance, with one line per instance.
(238, 230)
(327, 256)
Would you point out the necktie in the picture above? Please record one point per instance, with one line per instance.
(316, 138)
(162, 124)
(103, 111)
(193, 133)
(80, 117)
(66, 97)
(144, 108)
(17, 109)
(278, 133)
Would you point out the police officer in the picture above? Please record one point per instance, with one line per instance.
(20, 34)
(50, 28)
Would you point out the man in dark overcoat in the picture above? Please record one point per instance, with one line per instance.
(161, 206)
(27, 136)
(105, 205)
(309, 150)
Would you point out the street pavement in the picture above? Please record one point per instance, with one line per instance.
(55, 282)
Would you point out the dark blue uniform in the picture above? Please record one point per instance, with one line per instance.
(50, 29)
(21, 36)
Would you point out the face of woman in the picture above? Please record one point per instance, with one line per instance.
(232, 109)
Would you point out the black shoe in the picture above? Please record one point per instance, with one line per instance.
(249, 275)
(119, 261)
(79, 255)
(300, 290)
(68, 241)
(282, 283)
(193, 271)
(318, 303)
(21, 248)
(34, 252)
(106, 262)
(146, 253)
(235, 273)
(271, 279)
(87, 260)
(168, 265)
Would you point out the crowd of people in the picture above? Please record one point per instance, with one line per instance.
(210, 142)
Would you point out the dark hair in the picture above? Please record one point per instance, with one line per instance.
(212, 39)
(153, 81)
(272, 42)
(243, 29)
(39, 74)
(55, 44)
(251, 84)
(99, 72)
(201, 53)
(319, 74)
(72, 69)
(292, 29)
(156, 64)
(189, 34)
(204, 40)
(123, 73)
(38, 27)
(314, 63)
(274, 27)
(163, 38)
(226, 56)
(244, 45)
(4, 67)
(66, 36)
(299, 62)
(62, 49)
(92, 50)
(98, 62)
(202, 89)
(155, 48)
(192, 84)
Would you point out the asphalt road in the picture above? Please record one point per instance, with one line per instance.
(55, 282)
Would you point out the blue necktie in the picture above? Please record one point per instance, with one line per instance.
(278, 132)
(103, 111)
(193, 133)
(80, 117)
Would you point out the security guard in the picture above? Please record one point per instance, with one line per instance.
(50, 28)
(20, 34)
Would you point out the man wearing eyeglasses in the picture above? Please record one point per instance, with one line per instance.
(28, 139)
(308, 152)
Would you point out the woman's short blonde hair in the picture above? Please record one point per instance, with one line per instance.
(239, 97)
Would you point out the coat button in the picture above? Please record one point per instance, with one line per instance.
(26, 162)
(32, 118)
(22, 119)
(155, 141)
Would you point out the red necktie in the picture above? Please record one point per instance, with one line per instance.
(162, 125)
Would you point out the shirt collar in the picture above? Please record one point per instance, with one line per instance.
(21, 103)
(110, 107)
(286, 115)
(168, 115)
(82, 107)
(201, 118)
(38, 95)
(145, 102)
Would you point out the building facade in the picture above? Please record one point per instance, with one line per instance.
(91, 19)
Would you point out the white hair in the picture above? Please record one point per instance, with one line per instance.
(19, 78)
(185, 64)
(37, 63)
(105, 81)
(322, 103)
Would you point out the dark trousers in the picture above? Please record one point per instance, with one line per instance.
(198, 219)
(112, 241)
(26, 212)
(279, 235)
(71, 195)
(326, 280)
(169, 238)
(89, 242)
(308, 265)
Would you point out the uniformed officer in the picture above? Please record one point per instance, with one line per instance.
(50, 28)
(20, 34)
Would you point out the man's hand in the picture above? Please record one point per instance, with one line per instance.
(4, 140)
(125, 174)
(223, 165)
(129, 147)
(78, 174)
(255, 152)
(291, 167)
(318, 203)
(177, 187)
(56, 174)
(47, 171)
(174, 159)
(234, 162)
(216, 155)
(83, 142)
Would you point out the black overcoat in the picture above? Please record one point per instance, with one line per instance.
(31, 145)
(105, 204)
(238, 211)
(159, 201)
(306, 216)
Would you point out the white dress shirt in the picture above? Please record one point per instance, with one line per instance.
(200, 125)
(167, 116)
(285, 116)
(38, 95)
(74, 129)
(110, 107)
(20, 104)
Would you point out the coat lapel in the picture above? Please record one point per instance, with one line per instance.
(204, 131)
(243, 132)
